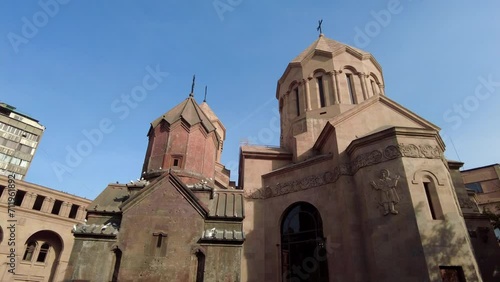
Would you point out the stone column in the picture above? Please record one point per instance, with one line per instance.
(362, 81)
(303, 98)
(32, 200)
(65, 209)
(381, 89)
(326, 91)
(333, 86)
(48, 204)
(286, 105)
(27, 200)
(307, 92)
(80, 214)
(335, 73)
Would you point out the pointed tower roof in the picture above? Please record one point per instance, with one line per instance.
(214, 119)
(190, 112)
(327, 45)
(208, 111)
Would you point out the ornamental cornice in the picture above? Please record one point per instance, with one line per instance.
(360, 161)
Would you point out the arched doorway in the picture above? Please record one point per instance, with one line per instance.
(303, 253)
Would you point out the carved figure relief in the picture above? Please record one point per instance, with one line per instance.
(387, 191)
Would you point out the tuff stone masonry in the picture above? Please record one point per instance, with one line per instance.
(358, 190)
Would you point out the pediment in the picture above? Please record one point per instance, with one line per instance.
(382, 111)
(176, 189)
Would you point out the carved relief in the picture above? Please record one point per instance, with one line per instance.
(409, 150)
(392, 152)
(387, 191)
(363, 160)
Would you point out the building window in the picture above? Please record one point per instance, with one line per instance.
(5, 158)
(433, 200)
(176, 161)
(30, 249)
(73, 211)
(11, 144)
(476, 186)
(42, 255)
(38, 202)
(18, 200)
(25, 149)
(297, 101)
(350, 88)
(321, 91)
(57, 207)
(452, 273)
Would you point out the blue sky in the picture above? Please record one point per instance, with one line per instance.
(68, 63)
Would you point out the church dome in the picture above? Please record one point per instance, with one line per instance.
(323, 81)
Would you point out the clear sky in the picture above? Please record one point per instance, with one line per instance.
(70, 63)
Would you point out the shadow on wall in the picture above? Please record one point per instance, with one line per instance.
(443, 246)
(254, 264)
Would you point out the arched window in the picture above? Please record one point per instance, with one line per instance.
(375, 84)
(321, 90)
(297, 100)
(350, 88)
(432, 195)
(303, 244)
(30, 249)
(42, 254)
(116, 268)
(200, 266)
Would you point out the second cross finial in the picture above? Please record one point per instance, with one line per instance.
(192, 86)
(319, 28)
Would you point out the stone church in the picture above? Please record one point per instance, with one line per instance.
(358, 190)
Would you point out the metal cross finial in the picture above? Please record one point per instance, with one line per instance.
(320, 22)
(192, 86)
(204, 100)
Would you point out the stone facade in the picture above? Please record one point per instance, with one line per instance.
(181, 222)
(42, 236)
(359, 190)
(372, 173)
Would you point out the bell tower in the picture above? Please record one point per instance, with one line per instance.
(325, 80)
(185, 140)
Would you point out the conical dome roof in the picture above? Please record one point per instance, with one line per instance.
(327, 45)
(190, 112)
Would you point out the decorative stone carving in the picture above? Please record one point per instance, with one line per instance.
(410, 150)
(392, 152)
(363, 160)
(387, 191)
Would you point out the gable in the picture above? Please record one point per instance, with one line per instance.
(375, 114)
(165, 191)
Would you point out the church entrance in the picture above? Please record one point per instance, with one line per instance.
(303, 252)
